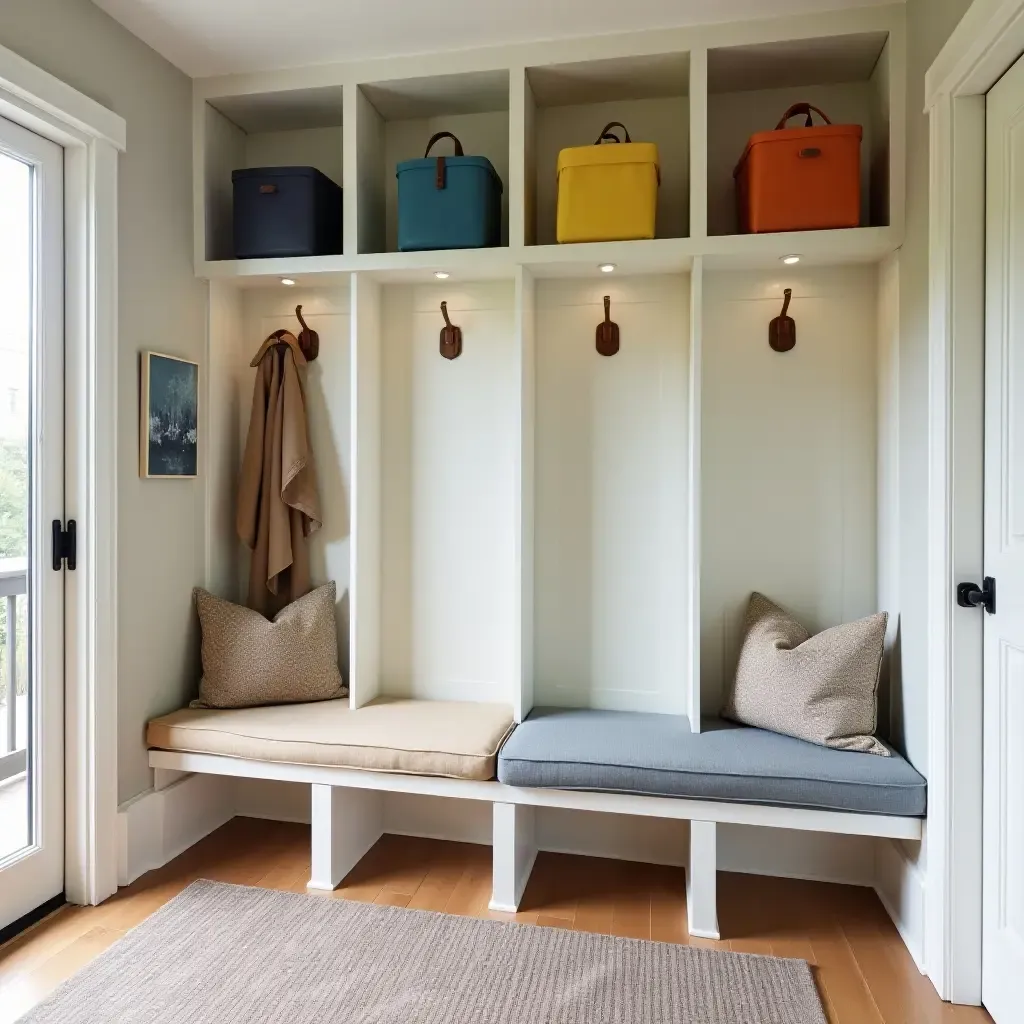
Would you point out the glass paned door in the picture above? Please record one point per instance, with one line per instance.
(31, 496)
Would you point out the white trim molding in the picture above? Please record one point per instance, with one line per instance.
(899, 883)
(92, 137)
(985, 44)
(158, 825)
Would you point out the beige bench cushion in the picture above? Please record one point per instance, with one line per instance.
(456, 739)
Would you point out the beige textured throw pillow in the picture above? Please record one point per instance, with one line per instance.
(819, 688)
(249, 660)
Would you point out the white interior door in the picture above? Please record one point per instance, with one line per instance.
(1003, 950)
(31, 498)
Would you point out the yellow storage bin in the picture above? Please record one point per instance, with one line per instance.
(608, 193)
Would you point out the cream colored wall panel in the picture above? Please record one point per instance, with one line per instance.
(611, 496)
(449, 455)
(321, 148)
(327, 407)
(664, 121)
(221, 413)
(789, 455)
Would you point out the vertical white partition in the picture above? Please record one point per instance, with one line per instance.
(522, 168)
(698, 143)
(365, 615)
(364, 175)
(524, 491)
(693, 494)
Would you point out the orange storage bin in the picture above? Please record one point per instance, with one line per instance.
(800, 179)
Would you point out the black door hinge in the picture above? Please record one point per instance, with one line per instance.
(65, 545)
(970, 595)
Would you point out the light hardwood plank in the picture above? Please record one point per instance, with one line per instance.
(863, 970)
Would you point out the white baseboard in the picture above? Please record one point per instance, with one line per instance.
(900, 884)
(788, 853)
(157, 826)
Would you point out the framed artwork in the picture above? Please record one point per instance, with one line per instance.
(169, 422)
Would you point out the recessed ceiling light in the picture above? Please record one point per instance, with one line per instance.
(606, 268)
(442, 275)
(287, 282)
(790, 260)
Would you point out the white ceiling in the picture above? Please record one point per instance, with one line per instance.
(213, 37)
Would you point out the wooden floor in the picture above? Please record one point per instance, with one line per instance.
(864, 972)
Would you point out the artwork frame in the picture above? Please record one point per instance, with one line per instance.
(168, 417)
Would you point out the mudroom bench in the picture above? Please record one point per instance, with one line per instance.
(649, 765)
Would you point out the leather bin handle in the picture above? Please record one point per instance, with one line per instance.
(803, 108)
(606, 133)
(437, 138)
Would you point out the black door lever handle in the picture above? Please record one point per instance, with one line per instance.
(970, 595)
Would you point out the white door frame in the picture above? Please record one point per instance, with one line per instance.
(986, 43)
(92, 137)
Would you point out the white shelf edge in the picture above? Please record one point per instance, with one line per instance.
(654, 256)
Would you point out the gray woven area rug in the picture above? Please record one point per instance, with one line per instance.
(228, 954)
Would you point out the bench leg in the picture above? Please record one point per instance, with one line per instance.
(514, 851)
(346, 823)
(702, 881)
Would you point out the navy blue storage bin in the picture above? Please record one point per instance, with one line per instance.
(285, 211)
(451, 202)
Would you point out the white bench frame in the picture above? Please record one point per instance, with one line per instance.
(347, 821)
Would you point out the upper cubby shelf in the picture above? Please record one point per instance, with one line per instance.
(569, 105)
(697, 93)
(750, 87)
(294, 127)
(394, 122)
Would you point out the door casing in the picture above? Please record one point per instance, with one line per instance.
(91, 137)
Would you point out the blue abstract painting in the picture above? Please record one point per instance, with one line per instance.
(170, 416)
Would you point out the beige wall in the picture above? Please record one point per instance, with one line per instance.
(930, 23)
(161, 545)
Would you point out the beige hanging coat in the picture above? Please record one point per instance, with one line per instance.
(278, 506)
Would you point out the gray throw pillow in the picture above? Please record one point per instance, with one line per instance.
(819, 688)
(249, 660)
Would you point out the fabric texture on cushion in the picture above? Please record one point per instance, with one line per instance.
(820, 688)
(249, 660)
(658, 755)
(457, 739)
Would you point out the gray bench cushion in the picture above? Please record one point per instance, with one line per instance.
(626, 752)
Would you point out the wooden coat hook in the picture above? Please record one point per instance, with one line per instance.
(451, 336)
(782, 330)
(309, 340)
(607, 331)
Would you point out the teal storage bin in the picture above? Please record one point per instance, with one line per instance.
(448, 202)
